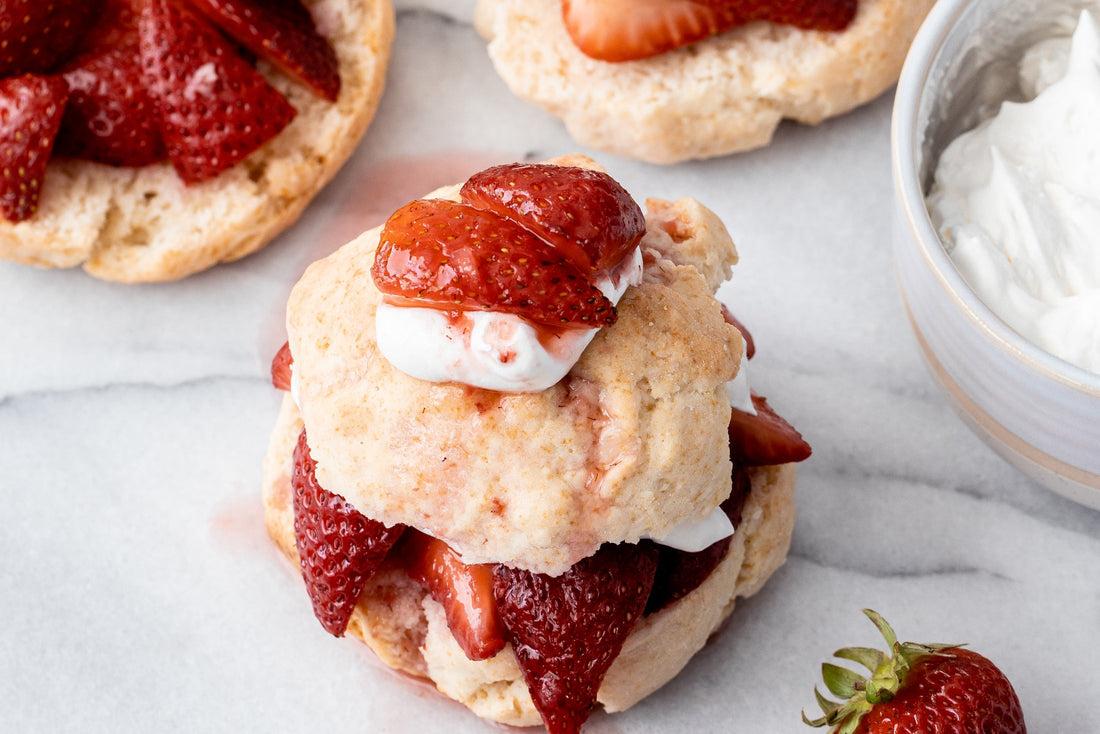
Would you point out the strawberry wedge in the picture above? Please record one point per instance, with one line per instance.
(31, 110)
(214, 108)
(765, 438)
(283, 32)
(464, 590)
(339, 548)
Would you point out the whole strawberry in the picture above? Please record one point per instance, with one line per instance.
(917, 688)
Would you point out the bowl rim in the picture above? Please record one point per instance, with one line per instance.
(911, 89)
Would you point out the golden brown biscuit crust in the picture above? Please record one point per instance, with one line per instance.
(143, 224)
(722, 95)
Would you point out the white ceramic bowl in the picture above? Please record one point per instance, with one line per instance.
(1039, 412)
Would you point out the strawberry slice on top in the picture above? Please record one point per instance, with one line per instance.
(339, 547)
(283, 32)
(628, 30)
(567, 630)
(453, 256)
(586, 214)
(214, 108)
(37, 34)
(31, 110)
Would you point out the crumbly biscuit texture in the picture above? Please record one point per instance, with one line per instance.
(722, 95)
(632, 442)
(408, 630)
(144, 224)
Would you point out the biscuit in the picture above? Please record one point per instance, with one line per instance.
(631, 443)
(722, 95)
(408, 631)
(143, 224)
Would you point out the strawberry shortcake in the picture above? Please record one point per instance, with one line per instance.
(518, 454)
(149, 139)
(671, 80)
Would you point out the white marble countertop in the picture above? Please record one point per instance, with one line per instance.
(139, 592)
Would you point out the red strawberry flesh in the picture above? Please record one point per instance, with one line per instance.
(31, 110)
(281, 367)
(464, 590)
(109, 118)
(819, 15)
(628, 30)
(567, 630)
(37, 34)
(584, 213)
(214, 108)
(283, 32)
(448, 255)
(764, 438)
(339, 548)
(115, 28)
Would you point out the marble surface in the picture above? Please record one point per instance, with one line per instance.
(139, 592)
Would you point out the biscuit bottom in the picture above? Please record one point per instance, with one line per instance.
(408, 630)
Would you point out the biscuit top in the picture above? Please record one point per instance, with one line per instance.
(632, 442)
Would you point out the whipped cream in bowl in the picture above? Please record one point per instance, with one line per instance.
(992, 244)
(1017, 201)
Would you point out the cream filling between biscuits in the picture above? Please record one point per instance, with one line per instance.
(487, 349)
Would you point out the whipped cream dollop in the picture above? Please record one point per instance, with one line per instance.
(693, 536)
(488, 349)
(1017, 201)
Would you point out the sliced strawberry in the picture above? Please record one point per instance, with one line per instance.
(765, 438)
(680, 572)
(109, 118)
(585, 214)
(283, 32)
(750, 346)
(448, 255)
(280, 367)
(820, 15)
(567, 630)
(338, 546)
(31, 109)
(37, 34)
(626, 30)
(214, 108)
(464, 590)
(115, 28)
